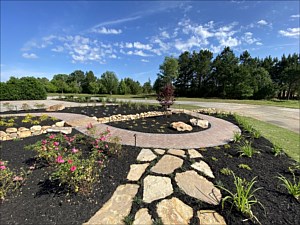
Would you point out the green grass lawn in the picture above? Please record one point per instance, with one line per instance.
(288, 140)
(274, 102)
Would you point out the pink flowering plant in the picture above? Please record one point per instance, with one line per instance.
(9, 182)
(75, 160)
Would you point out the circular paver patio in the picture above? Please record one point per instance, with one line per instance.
(220, 132)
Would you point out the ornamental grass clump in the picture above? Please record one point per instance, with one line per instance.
(246, 149)
(293, 187)
(243, 198)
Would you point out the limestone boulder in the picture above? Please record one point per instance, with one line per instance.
(64, 130)
(11, 130)
(22, 129)
(24, 134)
(199, 122)
(36, 128)
(181, 126)
(60, 123)
(56, 107)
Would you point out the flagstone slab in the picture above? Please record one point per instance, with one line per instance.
(204, 168)
(210, 217)
(156, 187)
(142, 217)
(198, 187)
(174, 211)
(194, 154)
(146, 155)
(167, 164)
(177, 152)
(117, 207)
(160, 151)
(136, 171)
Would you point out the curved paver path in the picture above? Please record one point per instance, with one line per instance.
(283, 117)
(220, 132)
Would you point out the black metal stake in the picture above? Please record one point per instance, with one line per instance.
(134, 140)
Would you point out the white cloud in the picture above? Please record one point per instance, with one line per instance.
(290, 32)
(144, 60)
(258, 43)
(139, 45)
(135, 52)
(188, 44)
(249, 39)
(230, 42)
(262, 22)
(104, 30)
(295, 16)
(165, 34)
(29, 56)
(58, 49)
(113, 56)
(118, 21)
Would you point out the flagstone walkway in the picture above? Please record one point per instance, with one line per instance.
(155, 179)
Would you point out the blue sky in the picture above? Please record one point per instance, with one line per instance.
(131, 38)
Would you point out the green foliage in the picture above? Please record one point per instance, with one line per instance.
(237, 137)
(243, 198)
(25, 88)
(246, 149)
(293, 187)
(226, 171)
(128, 220)
(214, 159)
(277, 150)
(8, 181)
(245, 166)
(110, 82)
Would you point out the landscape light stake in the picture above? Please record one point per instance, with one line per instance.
(134, 140)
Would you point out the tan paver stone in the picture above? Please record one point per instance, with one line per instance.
(136, 171)
(194, 154)
(174, 211)
(159, 151)
(64, 130)
(210, 217)
(80, 122)
(156, 188)
(146, 155)
(11, 130)
(204, 168)
(177, 152)
(117, 207)
(142, 217)
(167, 164)
(198, 187)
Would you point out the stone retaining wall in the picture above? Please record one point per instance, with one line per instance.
(23, 132)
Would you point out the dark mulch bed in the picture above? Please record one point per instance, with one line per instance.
(17, 122)
(41, 202)
(98, 111)
(37, 203)
(157, 124)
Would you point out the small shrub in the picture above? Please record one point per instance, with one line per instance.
(114, 146)
(243, 198)
(166, 96)
(8, 181)
(244, 166)
(256, 134)
(25, 106)
(293, 187)
(226, 171)
(246, 149)
(44, 117)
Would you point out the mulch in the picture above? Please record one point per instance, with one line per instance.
(41, 202)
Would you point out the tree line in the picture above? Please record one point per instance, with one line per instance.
(75, 82)
(197, 74)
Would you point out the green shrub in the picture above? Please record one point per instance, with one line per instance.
(246, 149)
